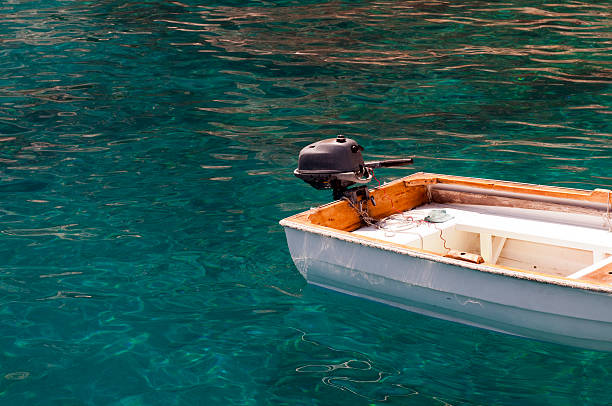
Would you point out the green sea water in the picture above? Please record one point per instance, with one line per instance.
(146, 157)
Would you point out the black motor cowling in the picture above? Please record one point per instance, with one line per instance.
(332, 163)
(336, 164)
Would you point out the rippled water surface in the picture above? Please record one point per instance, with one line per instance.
(146, 155)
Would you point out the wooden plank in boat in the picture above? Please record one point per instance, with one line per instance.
(445, 196)
(596, 196)
(396, 198)
(602, 275)
(339, 216)
(465, 256)
(392, 198)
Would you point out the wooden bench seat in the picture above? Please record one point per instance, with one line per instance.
(489, 226)
(494, 229)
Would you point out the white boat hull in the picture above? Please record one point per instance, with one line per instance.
(528, 307)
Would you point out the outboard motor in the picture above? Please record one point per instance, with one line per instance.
(336, 164)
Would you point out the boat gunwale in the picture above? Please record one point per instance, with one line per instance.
(298, 222)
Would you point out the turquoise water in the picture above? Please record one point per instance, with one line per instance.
(146, 155)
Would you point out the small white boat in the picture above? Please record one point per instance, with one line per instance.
(528, 260)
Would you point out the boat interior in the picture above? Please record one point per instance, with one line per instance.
(538, 229)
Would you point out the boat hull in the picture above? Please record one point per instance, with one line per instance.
(420, 283)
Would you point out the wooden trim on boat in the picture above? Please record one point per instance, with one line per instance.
(447, 196)
(392, 198)
(412, 191)
(465, 256)
(595, 196)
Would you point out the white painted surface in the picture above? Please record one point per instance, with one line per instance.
(486, 247)
(534, 306)
(482, 220)
(537, 231)
(409, 228)
(546, 245)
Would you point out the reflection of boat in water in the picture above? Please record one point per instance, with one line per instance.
(533, 261)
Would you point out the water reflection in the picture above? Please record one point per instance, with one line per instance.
(146, 154)
(413, 67)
